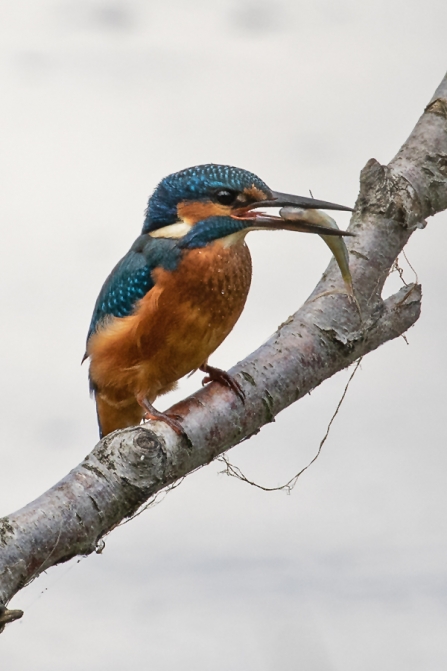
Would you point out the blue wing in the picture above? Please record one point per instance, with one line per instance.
(131, 279)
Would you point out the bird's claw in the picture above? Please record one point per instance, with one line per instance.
(152, 414)
(221, 376)
(170, 420)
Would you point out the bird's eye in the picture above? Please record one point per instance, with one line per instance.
(225, 196)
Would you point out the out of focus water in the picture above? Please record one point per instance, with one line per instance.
(99, 101)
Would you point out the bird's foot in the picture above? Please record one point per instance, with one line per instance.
(156, 415)
(221, 376)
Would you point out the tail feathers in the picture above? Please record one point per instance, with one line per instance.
(112, 416)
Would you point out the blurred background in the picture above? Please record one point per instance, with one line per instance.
(99, 100)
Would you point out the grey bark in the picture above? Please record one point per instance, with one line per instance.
(327, 334)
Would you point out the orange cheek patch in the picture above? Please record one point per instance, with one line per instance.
(192, 212)
(254, 193)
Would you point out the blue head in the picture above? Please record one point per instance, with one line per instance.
(206, 203)
(201, 192)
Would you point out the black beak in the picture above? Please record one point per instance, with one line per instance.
(302, 223)
(286, 200)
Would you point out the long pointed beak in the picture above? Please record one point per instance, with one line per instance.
(306, 220)
(272, 223)
(287, 200)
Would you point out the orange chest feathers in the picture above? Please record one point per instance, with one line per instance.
(179, 322)
(200, 301)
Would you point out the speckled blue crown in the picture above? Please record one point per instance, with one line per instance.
(194, 184)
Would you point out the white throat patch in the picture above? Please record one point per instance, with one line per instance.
(233, 238)
(177, 230)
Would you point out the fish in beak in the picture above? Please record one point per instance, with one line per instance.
(302, 214)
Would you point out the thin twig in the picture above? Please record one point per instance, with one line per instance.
(416, 278)
(235, 472)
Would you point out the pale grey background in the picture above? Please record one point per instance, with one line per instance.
(100, 100)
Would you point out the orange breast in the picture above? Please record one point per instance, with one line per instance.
(176, 326)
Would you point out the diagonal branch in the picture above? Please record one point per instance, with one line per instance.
(328, 333)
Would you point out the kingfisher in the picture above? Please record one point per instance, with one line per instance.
(180, 289)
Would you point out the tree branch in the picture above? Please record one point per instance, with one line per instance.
(327, 334)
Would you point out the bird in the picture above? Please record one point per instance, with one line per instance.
(178, 292)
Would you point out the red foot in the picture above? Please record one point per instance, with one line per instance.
(221, 376)
(170, 420)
